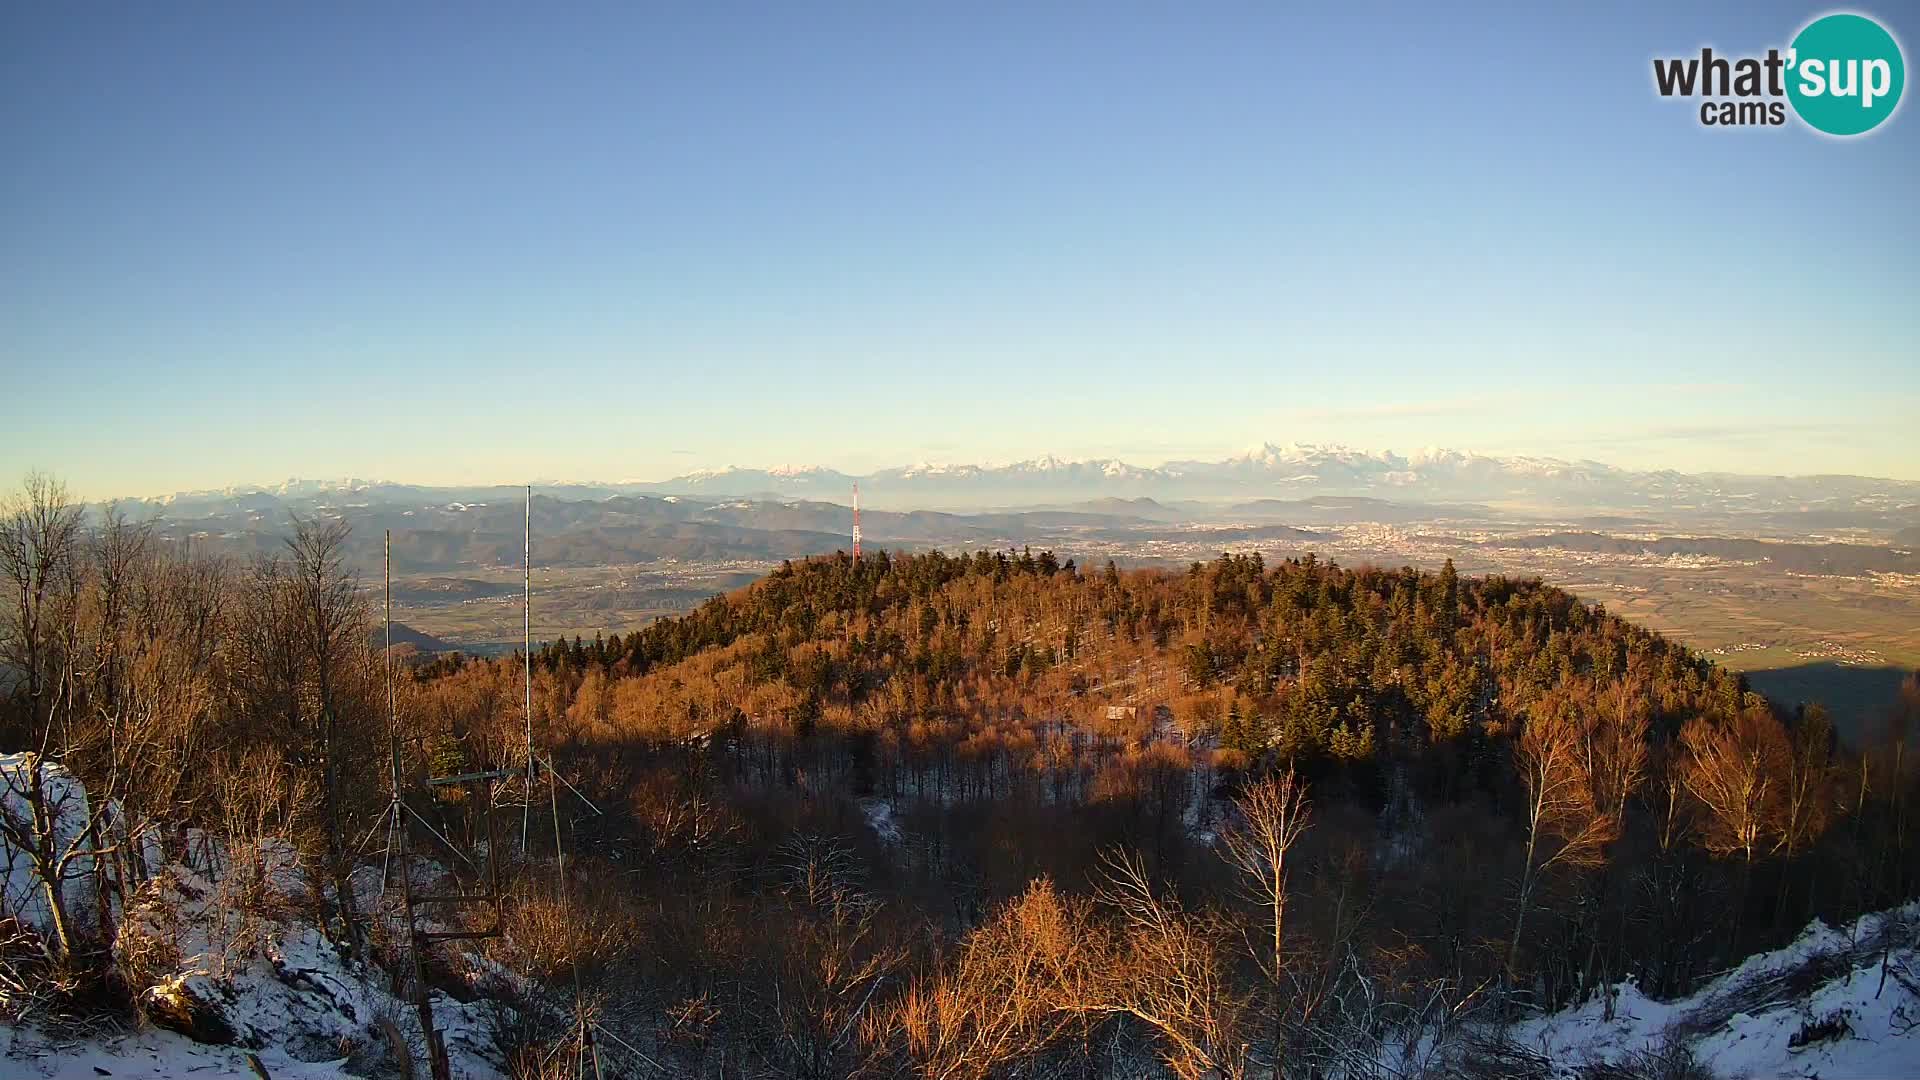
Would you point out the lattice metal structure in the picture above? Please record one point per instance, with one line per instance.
(402, 820)
(424, 915)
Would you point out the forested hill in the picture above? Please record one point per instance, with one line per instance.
(971, 724)
(960, 816)
(1305, 659)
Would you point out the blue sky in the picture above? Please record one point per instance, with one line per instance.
(471, 243)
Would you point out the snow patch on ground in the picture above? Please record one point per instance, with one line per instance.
(253, 978)
(879, 815)
(1741, 1024)
(144, 1055)
(64, 802)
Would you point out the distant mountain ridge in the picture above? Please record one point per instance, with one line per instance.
(1291, 472)
(1303, 472)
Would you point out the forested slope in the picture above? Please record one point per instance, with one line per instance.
(952, 816)
(1509, 787)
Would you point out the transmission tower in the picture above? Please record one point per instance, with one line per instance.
(856, 521)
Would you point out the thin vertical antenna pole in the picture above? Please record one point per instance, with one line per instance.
(394, 822)
(392, 727)
(393, 722)
(856, 521)
(386, 603)
(553, 798)
(527, 655)
(560, 876)
(423, 1004)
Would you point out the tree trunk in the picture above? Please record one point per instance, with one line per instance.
(102, 882)
(336, 853)
(46, 863)
(1520, 916)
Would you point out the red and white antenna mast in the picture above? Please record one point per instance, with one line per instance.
(856, 521)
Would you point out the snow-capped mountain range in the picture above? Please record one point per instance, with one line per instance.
(1301, 471)
(1292, 471)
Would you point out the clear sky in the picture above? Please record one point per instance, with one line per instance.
(461, 243)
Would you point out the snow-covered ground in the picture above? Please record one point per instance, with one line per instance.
(1743, 1023)
(145, 1055)
(64, 801)
(231, 958)
(256, 980)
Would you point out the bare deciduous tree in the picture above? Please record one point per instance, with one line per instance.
(1564, 824)
(1170, 974)
(39, 535)
(827, 963)
(1615, 745)
(1803, 808)
(1273, 815)
(1734, 768)
(41, 817)
(302, 624)
(1009, 995)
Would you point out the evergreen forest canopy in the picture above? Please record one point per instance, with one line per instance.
(942, 815)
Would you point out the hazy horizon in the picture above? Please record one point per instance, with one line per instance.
(428, 478)
(454, 247)
(242, 483)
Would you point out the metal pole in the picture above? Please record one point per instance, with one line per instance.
(423, 1002)
(526, 812)
(566, 905)
(393, 723)
(553, 795)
